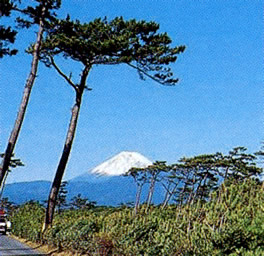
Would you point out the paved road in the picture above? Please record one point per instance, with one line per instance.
(9, 246)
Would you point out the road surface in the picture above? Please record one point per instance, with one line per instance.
(9, 246)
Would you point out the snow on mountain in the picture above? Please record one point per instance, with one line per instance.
(103, 184)
(121, 163)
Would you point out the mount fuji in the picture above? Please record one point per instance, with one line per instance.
(104, 184)
(116, 166)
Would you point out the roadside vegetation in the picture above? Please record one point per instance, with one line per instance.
(215, 208)
(230, 223)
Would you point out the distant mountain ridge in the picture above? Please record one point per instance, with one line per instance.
(111, 191)
(103, 184)
(22, 192)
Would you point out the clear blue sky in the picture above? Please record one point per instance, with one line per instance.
(217, 105)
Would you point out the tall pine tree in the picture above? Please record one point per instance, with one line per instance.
(39, 15)
(136, 44)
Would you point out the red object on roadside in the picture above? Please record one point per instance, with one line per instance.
(2, 212)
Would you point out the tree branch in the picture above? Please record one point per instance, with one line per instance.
(68, 79)
(19, 10)
(146, 74)
(133, 66)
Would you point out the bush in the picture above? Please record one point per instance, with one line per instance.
(230, 223)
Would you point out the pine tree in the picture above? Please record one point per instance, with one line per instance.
(136, 44)
(38, 15)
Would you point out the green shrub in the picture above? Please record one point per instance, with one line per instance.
(230, 223)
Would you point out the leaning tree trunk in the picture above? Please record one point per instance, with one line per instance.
(150, 194)
(169, 195)
(23, 105)
(62, 165)
(66, 152)
(3, 185)
(137, 203)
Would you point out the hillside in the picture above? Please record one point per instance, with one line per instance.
(106, 191)
(103, 184)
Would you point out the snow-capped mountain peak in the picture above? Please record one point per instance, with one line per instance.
(121, 163)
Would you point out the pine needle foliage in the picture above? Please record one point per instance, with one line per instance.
(136, 43)
(7, 33)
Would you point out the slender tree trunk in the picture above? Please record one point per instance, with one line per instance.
(192, 193)
(3, 185)
(139, 189)
(167, 199)
(169, 194)
(23, 105)
(61, 167)
(203, 192)
(150, 194)
(66, 152)
(226, 173)
(182, 194)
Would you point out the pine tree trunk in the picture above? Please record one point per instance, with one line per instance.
(168, 196)
(62, 165)
(137, 203)
(23, 105)
(3, 185)
(66, 151)
(150, 194)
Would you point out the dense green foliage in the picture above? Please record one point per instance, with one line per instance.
(194, 178)
(132, 42)
(32, 12)
(229, 223)
(7, 34)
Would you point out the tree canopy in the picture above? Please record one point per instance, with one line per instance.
(195, 178)
(132, 42)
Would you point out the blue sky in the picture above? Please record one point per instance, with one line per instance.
(217, 105)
